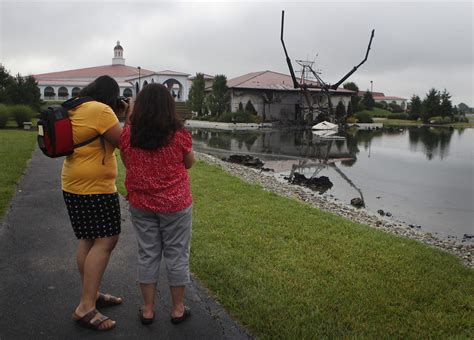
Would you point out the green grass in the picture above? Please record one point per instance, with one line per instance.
(377, 112)
(15, 150)
(289, 271)
(402, 122)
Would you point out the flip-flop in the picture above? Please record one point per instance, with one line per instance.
(145, 321)
(86, 320)
(107, 300)
(186, 314)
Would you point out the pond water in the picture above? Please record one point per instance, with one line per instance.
(421, 176)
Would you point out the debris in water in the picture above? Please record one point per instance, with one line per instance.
(320, 184)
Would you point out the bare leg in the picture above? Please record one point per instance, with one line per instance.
(82, 250)
(148, 293)
(177, 297)
(94, 266)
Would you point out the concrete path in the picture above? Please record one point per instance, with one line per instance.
(39, 282)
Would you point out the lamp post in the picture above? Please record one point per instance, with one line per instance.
(371, 86)
(139, 82)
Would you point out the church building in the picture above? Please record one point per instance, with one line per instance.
(67, 84)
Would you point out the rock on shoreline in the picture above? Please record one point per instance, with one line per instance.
(465, 252)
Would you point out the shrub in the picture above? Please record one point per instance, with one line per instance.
(440, 120)
(21, 113)
(3, 116)
(351, 120)
(414, 116)
(395, 108)
(460, 119)
(363, 117)
(380, 105)
(403, 116)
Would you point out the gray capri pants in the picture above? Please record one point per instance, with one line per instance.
(163, 235)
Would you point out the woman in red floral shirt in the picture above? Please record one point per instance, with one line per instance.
(157, 151)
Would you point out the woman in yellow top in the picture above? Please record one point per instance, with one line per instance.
(88, 184)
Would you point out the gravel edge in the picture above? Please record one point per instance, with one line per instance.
(463, 251)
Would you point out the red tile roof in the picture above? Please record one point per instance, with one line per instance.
(79, 83)
(269, 80)
(94, 72)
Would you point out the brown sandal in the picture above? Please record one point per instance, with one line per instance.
(86, 320)
(107, 300)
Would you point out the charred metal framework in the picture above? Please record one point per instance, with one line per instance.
(307, 69)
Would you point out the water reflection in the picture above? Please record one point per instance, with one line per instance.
(424, 175)
(433, 142)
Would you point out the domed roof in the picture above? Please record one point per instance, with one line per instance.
(118, 47)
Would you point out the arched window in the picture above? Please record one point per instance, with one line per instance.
(152, 80)
(75, 91)
(145, 83)
(127, 93)
(49, 92)
(63, 93)
(175, 88)
(137, 88)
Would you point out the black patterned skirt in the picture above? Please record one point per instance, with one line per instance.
(93, 216)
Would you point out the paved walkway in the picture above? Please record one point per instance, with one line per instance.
(39, 282)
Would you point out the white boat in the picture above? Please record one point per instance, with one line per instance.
(324, 126)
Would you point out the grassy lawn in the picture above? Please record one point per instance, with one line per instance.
(289, 271)
(377, 112)
(16, 147)
(402, 122)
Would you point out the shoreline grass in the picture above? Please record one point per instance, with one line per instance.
(286, 270)
(16, 147)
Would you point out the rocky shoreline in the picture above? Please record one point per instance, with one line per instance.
(465, 252)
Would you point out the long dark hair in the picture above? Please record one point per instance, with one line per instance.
(104, 89)
(154, 119)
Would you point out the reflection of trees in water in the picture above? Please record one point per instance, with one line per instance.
(435, 141)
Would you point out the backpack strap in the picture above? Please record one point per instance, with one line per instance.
(75, 102)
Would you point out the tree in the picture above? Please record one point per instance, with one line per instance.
(431, 105)
(24, 90)
(455, 110)
(6, 80)
(463, 108)
(415, 104)
(354, 98)
(368, 100)
(340, 111)
(219, 99)
(350, 110)
(196, 94)
(250, 108)
(446, 107)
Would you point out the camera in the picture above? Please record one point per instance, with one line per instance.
(119, 104)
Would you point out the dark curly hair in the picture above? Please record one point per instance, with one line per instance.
(154, 119)
(103, 89)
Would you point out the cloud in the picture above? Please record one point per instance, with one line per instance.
(422, 44)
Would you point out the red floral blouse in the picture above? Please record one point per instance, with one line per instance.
(157, 180)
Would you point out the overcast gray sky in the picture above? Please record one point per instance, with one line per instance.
(417, 45)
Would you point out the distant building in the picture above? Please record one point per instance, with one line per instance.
(208, 80)
(67, 84)
(274, 98)
(380, 97)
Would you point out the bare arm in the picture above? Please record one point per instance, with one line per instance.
(112, 135)
(189, 160)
